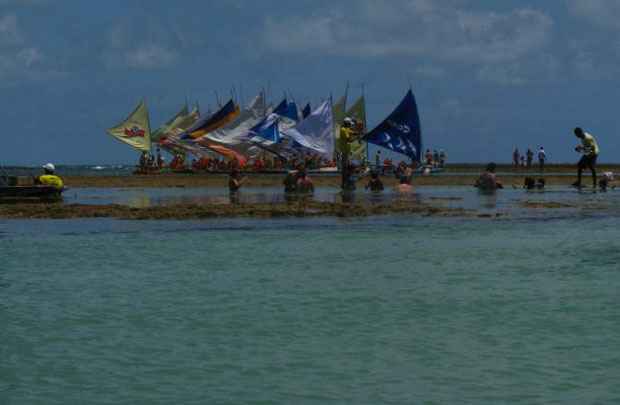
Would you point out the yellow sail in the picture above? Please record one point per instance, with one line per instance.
(338, 112)
(170, 124)
(135, 130)
(358, 113)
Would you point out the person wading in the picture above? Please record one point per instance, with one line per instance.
(374, 184)
(290, 181)
(235, 180)
(590, 151)
(487, 182)
(348, 134)
(304, 183)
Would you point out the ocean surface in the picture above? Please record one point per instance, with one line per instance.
(523, 309)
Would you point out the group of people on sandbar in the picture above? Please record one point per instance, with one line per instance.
(525, 160)
(589, 150)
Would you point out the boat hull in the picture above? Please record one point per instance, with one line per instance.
(30, 192)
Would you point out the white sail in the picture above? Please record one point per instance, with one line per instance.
(316, 132)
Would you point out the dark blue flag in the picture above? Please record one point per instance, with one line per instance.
(400, 131)
(306, 111)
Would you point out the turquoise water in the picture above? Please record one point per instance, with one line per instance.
(391, 310)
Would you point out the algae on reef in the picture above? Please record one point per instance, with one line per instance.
(194, 211)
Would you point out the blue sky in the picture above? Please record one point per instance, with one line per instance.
(488, 75)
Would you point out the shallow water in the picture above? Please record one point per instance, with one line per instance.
(504, 201)
(390, 310)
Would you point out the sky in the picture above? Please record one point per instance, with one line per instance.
(488, 75)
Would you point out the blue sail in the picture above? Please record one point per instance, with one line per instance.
(400, 131)
(270, 133)
(291, 111)
(282, 108)
(306, 111)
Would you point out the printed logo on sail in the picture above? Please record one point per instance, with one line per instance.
(134, 132)
(401, 127)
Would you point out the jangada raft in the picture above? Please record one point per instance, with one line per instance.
(242, 134)
(10, 189)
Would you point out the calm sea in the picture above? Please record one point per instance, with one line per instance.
(391, 310)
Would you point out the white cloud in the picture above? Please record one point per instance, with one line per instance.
(18, 58)
(415, 28)
(138, 49)
(29, 56)
(432, 71)
(9, 33)
(602, 13)
(150, 57)
(506, 75)
(595, 46)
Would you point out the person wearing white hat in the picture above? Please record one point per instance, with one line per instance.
(49, 177)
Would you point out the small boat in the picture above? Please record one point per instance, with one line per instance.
(11, 190)
(30, 192)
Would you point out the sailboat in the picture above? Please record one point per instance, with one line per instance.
(135, 131)
(401, 132)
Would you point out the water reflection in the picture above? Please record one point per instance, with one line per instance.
(141, 200)
(488, 199)
(234, 197)
(347, 196)
(376, 197)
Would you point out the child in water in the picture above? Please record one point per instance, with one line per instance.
(605, 182)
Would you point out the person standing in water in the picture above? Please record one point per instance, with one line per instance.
(488, 180)
(348, 134)
(374, 184)
(404, 185)
(290, 181)
(235, 181)
(304, 183)
(590, 150)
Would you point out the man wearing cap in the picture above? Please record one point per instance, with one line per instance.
(48, 178)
